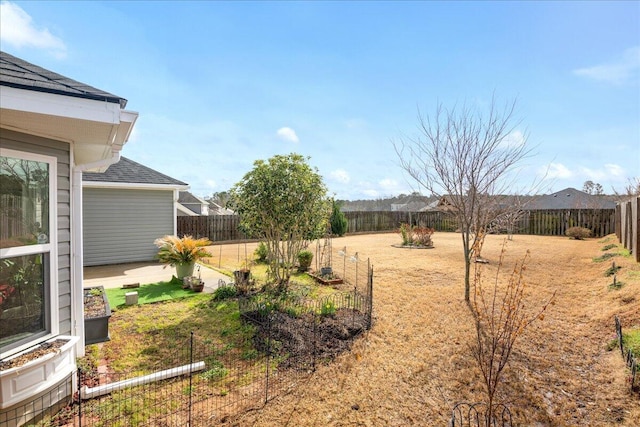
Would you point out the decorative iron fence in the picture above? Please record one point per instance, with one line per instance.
(475, 415)
(629, 358)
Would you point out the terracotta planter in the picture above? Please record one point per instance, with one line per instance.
(96, 322)
(184, 269)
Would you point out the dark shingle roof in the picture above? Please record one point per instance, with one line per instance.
(14, 72)
(186, 197)
(129, 172)
(570, 198)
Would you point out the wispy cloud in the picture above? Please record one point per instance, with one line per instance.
(557, 170)
(18, 29)
(340, 175)
(288, 134)
(514, 139)
(609, 171)
(623, 70)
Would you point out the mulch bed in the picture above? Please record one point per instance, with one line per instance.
(300, 340)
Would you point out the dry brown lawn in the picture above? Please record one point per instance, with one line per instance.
(414, 365)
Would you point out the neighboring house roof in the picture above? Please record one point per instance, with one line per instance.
(413, 206)
(194, 204)
(570, 198)
(188, 198)
(21, 74)
(216, 209)
(127, 171)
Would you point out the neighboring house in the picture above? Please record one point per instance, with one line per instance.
(190, 205)
(126, 208)
(570, 198)
(52, 129)
(216, 209)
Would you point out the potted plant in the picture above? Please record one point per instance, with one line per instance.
(304, 260)
(96, 315)
(181, 252)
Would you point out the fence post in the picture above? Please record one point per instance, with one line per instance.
(369, 293)
(315, 339)
(190, 378)
(266, 387)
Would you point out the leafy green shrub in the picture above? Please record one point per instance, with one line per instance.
(216, 372)
(304, 260)
(406, 234)
(609, 246)
(337, 220)
(328, 309)
(578, 233)
(225, 292)
(261, 253)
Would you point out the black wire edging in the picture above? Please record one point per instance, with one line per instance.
(629, 358)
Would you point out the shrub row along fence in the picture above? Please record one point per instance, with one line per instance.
(601, 222)
(631, 361)
(212, 380)
(628, 225)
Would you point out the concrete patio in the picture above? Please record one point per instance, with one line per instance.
(117, 275)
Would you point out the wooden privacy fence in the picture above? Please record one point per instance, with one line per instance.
(537, 222)
(220, 228)
(628, 225)
(217, 228)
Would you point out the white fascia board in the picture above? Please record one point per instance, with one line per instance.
(59, 105)
(180, 207)
(133, 186)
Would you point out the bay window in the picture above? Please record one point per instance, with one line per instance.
(28, 290)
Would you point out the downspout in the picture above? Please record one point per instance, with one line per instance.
(77, 274)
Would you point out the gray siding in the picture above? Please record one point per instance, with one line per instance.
(120, 225)
(59, 150)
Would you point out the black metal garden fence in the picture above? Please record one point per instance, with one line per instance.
(629, 358)
(208, 380)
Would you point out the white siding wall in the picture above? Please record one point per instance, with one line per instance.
(59, 150)
(120, 225)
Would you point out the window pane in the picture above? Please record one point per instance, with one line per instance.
(22, 299)
(24, 202)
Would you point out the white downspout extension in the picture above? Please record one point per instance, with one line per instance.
(77, 246)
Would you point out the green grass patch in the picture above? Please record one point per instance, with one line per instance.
(609, 246)
(605, 257)
(150, 293)
(631, 340)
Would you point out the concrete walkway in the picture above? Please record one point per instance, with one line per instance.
(115, 276)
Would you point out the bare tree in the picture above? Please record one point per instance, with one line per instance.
(501, 316)
(632, 189)
(466, 156)
(593, 188)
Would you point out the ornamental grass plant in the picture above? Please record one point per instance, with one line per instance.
(174, 250)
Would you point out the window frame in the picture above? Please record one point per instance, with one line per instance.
(49, 252)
